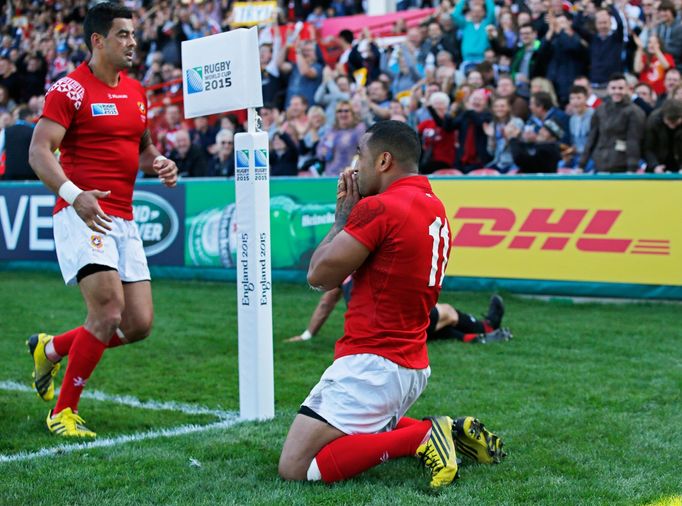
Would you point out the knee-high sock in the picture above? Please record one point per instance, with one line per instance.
(86, 352)
(347, 456)
(406, 421)
(62, 343)
(118, 339)
(469, 324)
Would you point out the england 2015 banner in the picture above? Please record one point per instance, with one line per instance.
(222, 73)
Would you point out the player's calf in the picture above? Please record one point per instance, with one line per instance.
(133, 334)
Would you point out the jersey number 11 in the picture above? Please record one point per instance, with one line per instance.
(438, 230)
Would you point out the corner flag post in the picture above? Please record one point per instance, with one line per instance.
(221, 73)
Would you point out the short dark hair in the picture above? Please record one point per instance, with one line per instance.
(667, 5)
(578, 89)
(617, 76)
(100, 18)
(646, 85)
(396, 138)
(527, 25)
(485, 66)
(383, 84)
(301, 97)
(23, 112)
(346, 35)
(671, 109)
(543, 99)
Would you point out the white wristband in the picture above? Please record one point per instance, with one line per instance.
(160, 157)
(305, 336)
(69, 191)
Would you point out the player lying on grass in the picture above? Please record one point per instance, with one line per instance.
(392, 233)
(445, 322)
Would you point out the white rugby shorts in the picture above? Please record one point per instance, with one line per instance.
(77, 246)
(366, 393)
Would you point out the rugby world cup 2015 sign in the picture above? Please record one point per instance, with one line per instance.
(221, 73)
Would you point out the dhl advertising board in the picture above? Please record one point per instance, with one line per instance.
(577, 230)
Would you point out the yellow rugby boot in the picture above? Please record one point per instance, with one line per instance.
(44, 370)
(476, 442)
(438, 452)
(68, 424)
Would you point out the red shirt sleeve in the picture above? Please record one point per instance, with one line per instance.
(63, 100)
(367, 222)
(143, 104)
(669, 58)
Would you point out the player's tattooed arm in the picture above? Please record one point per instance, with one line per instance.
(148, 153)
(154, 163)
(347, 195)
(339, 254)
(145, 140)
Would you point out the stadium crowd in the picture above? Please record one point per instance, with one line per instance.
(506, 86)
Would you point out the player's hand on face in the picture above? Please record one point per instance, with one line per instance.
(167, 171)
(87, 207)
(347, 194)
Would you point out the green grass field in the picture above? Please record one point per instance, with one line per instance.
(587, 398)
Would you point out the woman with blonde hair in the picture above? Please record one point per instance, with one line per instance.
(308, 144)
(498, 136)
(339, 144)
(542, 84)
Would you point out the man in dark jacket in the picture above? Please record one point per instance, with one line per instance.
(187, 156)
(566, 56)
(17, 142)
(542, 110)
(663, 138)
(616, 131)
(222, 163)
(537, 153)
(472, 151)
(606, 46)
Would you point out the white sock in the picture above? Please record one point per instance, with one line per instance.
(314, 472)
(121, 336)
(50, 353)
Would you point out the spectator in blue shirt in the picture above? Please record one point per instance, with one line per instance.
(473, 30)
(305, 76)
(579, 124)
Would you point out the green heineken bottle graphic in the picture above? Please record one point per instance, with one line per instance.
(295, 230)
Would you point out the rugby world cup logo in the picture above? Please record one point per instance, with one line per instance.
(243, 159)
(261, 158)
(195, 80)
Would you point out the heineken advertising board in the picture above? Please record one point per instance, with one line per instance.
(300, 216)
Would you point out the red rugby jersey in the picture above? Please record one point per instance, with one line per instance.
(104, 125)
(407, 231)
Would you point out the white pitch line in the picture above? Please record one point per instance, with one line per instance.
(133, 402)
(115, 441)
